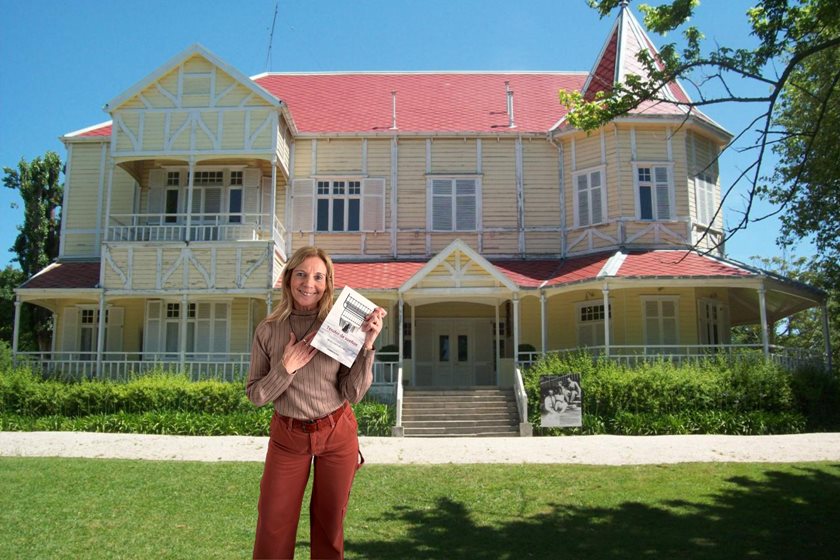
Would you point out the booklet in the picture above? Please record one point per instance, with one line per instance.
(341, 336)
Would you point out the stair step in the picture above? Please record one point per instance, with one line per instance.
(460, 412)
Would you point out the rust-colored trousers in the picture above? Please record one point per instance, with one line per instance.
(291, 448)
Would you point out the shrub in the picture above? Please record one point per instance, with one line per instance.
(718, 395)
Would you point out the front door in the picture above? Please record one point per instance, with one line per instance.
(449, 354)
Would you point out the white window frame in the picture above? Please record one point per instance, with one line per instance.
(637, 186)
(602, 188)
(660, 319)
(220, 347)
(331, 197)
(705, 198)
(454, 196)
(597, 324)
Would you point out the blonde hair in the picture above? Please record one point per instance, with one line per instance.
(285, 305)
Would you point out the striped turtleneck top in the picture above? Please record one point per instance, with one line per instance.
(316, 389)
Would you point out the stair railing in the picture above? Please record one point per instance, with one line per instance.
(521, 397)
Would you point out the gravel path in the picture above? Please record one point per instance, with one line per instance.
(592, 450)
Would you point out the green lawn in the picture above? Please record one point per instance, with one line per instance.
(82, 508)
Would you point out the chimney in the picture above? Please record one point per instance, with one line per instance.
(509, 93)
(393, 110)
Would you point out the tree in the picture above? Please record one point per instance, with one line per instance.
(37, 244)
(799, 115)
(10, 278)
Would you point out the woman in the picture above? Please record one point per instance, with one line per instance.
(312, 417)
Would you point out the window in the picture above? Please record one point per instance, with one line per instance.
(338, 205)
(704, 195)
(235, 206)
(661, 326)
(205, 178)
(654, 192)
(590, 199)
(206, 329)
(590, 324)
(454, 204)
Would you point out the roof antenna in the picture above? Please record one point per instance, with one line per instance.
(393, 110)
(271, 36)
(509, 93)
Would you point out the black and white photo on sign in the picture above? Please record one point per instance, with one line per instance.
(561, 401)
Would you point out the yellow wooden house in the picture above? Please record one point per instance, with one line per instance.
(460, 201)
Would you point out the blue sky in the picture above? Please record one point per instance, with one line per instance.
(61, 61)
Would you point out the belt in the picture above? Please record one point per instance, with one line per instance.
(317, 424)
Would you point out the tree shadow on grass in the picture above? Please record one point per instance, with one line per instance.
(786, 515)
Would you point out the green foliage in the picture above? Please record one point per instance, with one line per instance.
(159, 403)
(740, 396)
(37, 243)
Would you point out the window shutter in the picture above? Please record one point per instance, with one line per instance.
(114, 328)
(373, 204)
(441, 205)
(151, 338)
(303, 195)
(597, 199)
(212, 201)
(70, 330)
(265, 201)
(465, 212)
(582, 201)
(663, 199)
(157, 180)
(220, 321)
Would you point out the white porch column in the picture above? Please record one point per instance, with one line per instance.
(826, 335)
(497, 342)
(182, 338)
(606, 291)
(190, 181)
(108, 197)
(400, 313)
(271, 219)
(543, 333)
(762, 308)
(515, 328)
(16, 329)
(100, 334)
(268, 302)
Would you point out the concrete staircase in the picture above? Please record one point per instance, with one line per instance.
(460, 412)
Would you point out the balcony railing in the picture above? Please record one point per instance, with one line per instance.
(789, 358)
(203, 227)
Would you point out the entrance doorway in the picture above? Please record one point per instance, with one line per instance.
(454, 352)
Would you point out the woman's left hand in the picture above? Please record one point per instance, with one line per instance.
(372, 325)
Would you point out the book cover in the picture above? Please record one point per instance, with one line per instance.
(340, 335)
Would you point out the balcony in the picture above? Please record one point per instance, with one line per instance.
(166, 228)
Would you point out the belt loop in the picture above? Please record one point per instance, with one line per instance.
(332, 421)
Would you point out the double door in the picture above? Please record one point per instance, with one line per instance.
(452, 352)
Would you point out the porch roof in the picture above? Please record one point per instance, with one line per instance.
(65, 276)
(539, 273)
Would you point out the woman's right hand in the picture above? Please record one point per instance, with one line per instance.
(297, 354)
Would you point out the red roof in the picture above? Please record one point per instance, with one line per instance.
(425, 102)
(375, 276)
(391, 275)
(66, 275)
(677, 264)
